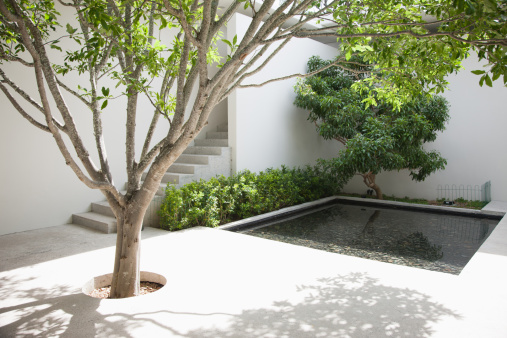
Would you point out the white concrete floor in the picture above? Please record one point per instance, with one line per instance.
(223, 284)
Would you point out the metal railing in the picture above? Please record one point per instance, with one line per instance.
(468, 192)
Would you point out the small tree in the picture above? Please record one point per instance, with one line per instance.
(377, 138)
(115, 41)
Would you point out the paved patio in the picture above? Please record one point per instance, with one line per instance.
(223, 284)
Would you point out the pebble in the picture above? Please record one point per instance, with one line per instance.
(407, 238)
(373, 255)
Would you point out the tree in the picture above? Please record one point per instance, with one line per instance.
(377, 138)
(115, 40)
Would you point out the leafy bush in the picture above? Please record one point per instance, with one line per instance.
(224, 199)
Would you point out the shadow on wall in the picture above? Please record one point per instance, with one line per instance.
(345, 306)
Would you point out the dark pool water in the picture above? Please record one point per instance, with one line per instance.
(436, 242)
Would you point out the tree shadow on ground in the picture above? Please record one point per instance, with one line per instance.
(63, 312)
(355, 305)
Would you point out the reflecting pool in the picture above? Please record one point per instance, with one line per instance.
(425, 240)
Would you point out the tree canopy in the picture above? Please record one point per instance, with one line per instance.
(421, 42)
(131, 42)
(376, 139)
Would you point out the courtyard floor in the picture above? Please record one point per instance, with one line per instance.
(224, 284)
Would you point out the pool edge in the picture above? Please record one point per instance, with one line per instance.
(273, 215)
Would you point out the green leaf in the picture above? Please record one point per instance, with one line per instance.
(489, 83)
(56, 47)
(104, 104)
(348, 55)
(105, 91)
(227, 42)
(478, 72)
(70, 29)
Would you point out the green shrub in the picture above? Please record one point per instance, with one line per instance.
(224, 199)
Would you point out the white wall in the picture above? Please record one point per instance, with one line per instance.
(265, 128)
(473, 142)
(38, 189)
(270, 131)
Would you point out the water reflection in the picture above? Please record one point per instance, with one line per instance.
(417, 245)
(369, 232)
(473, 230)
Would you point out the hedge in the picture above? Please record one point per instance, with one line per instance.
(224, 199)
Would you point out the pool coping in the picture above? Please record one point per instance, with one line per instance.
(281, 213)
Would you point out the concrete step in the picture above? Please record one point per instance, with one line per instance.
(95, 221)
(207, 158)
(200, 150)
(193, 159)
(102, 208)
(184, 168)
(212, 143)
(177, 179)
(217, 135)
(223, 127)
(161, 190)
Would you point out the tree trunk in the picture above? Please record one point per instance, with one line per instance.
(378, 192)
(129, 218)
(126, 273)
(369, 229)
(369, 180)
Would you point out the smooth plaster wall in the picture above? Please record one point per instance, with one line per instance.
(38, 189)
(269, 131)
(473, 142)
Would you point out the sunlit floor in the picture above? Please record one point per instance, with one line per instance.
(224, 284)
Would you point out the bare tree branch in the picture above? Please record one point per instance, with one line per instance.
(74, 93)
(336, 62)
(147, 159)
(231, 10)
(66, 4)
(454, 35)
(4, 56)
(179, 112)
(22, 111)
(180, 16)
(258, 69)
(20, 92)
(35, 46)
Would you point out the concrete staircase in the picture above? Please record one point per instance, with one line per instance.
(207, 158)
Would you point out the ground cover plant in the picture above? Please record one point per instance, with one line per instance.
(458, 203)
(224, 199)
(117, 47)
